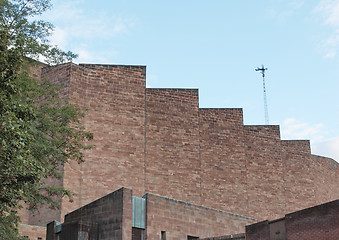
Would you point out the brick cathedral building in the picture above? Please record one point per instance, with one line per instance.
(158, 145)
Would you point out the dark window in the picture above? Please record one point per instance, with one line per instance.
(163, 235)
(191, 237)
(39, 238)
(137, 234)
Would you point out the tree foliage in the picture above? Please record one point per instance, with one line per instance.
(38, 131)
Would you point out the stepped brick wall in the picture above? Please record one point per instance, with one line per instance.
(300, 191)
(223, 164)
(172, 144)
(265, 171)
(114, 97)
(160, 141)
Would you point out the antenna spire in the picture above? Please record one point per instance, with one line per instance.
(262, 70)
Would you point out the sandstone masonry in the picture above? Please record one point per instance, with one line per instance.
(160, 141)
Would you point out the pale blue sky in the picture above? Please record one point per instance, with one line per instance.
(215, 46)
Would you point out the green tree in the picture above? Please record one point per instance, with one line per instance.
(38, 131)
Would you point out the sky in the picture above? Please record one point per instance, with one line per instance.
(216, 46)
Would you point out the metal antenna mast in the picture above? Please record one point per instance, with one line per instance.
(262, 70)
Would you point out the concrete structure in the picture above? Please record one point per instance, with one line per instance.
(159, 141)
(119, 216)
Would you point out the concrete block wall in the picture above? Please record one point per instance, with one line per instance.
(172, 144)
(180, 219)
(258, 231)
(318, 222)
(223, 163)
(112, 213)
(110, 217)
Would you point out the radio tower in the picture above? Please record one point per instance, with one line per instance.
(262, 70)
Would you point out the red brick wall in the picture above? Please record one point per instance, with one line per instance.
(32, 232)
(114, 97)
(172, 143)
(319, 222)
(265, 172)
(24, 214)
(326, 178)
(60, 76)
(179, 219)
(36, 69)
(316, 223)
(44, 214)
(222, 152)
(299, 179)
(159, 141)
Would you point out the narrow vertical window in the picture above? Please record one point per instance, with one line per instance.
(163, 235)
